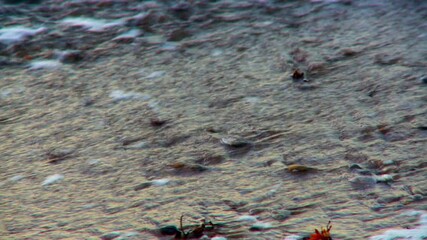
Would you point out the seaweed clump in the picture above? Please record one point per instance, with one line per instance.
(323, 234)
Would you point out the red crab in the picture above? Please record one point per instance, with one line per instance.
(324, 233)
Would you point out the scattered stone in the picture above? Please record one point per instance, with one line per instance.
(260, 226)
(423, 79)
(111, 235)
(157, 122)
(362, 182)
(45, 65)
(53, 179)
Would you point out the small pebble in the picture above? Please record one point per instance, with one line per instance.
(417, 197)
(259, 226)
(142, 186)
(53, 179)
(247, 218)
(424, 79)
(111, 235)
(362, 182)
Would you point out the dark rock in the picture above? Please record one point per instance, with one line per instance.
(355, 166)
(71, 56)
(362, 182)
(424, 79)
(386, 59)
(210, 159)
(235, 142)
(111, 235)
(142, 186)
(182, 10)
(169, 230)
(178, 35)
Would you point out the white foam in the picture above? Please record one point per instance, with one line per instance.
(418, 233)
(91, 24)
(261, 225)
(156, 74)
(45, 64)
(128, 35)
(16, 178)
(53, 179)
(11, 35)
(292, 237)
(119, 95)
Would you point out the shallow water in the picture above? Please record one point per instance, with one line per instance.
(97, 120)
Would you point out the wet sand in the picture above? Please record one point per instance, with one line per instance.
(363, 101)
